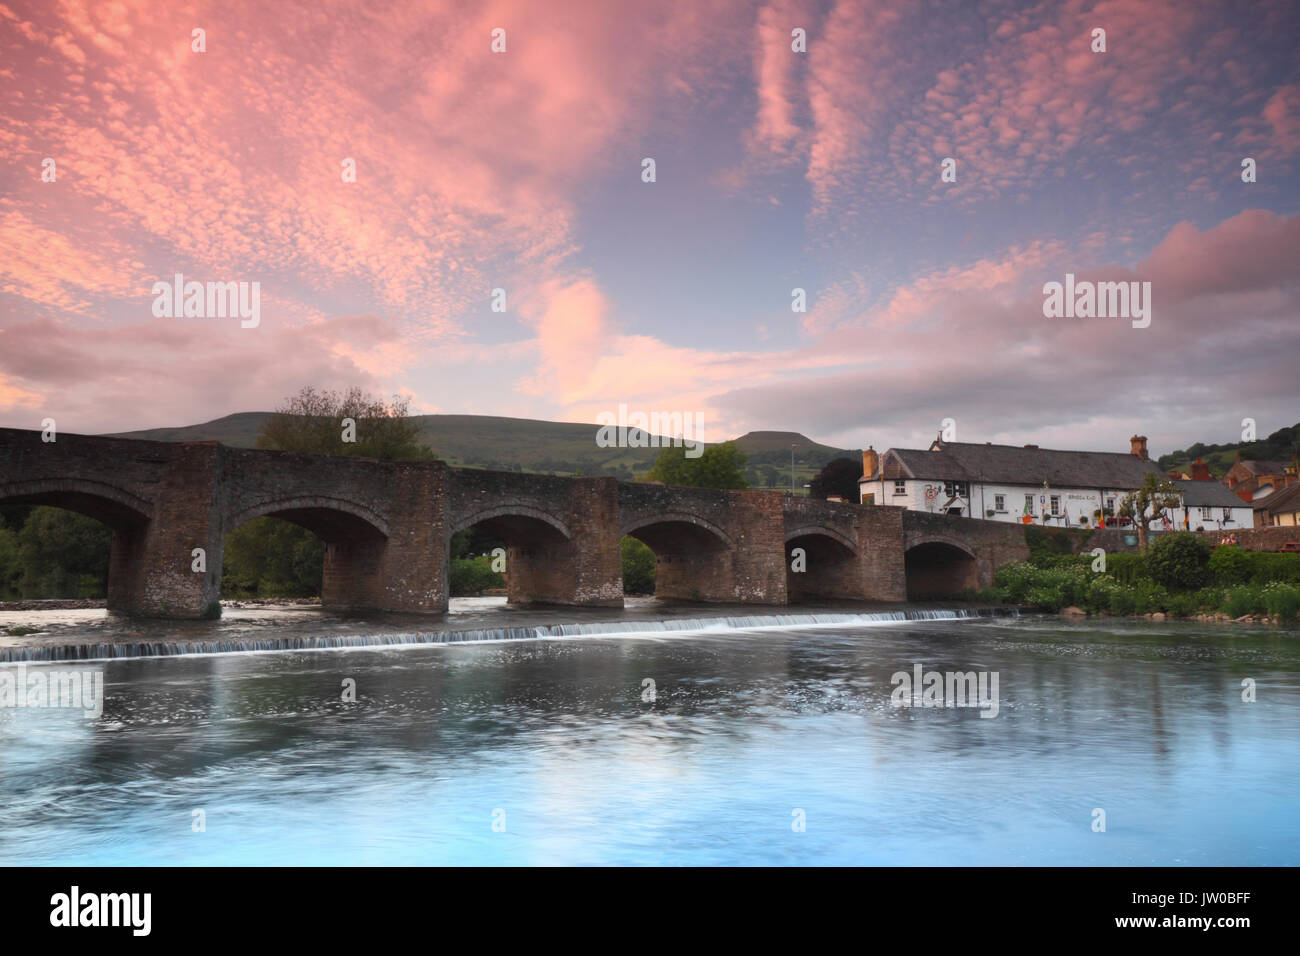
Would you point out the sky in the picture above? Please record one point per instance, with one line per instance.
(775, 169)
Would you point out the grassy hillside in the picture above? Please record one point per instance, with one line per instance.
(1283, 445)
(522, 444)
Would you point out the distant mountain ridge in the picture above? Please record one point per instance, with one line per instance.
(532, 445)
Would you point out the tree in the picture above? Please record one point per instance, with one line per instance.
(63, 554)
(313, 423)
(1156, 496)
(1180, 561)
(720, 466)
(268, 557)
(839, 477)
(638, 567)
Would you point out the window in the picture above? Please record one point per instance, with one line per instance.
(1110, 506)
(956, 489)
(1205, 513)
(999, 502)
(1029, 504)
(900, 487)
(1056, 505)
(1227, 515)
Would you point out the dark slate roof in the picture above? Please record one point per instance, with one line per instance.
(1264, 467)
(1282, 500)
(1014, 465)
(1211, 494)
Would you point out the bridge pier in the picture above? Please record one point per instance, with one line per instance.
(151, 568)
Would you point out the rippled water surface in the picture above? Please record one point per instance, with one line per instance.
(552, 740)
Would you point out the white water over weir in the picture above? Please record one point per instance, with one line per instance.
(714, 625)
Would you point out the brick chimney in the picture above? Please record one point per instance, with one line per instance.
(870, 462)
(1201, 471)
(1138, 445)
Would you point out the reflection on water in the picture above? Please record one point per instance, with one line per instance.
(1145, 721)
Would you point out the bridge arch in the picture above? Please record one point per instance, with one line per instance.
(694, 558)
(354, 539)
(512, 511)
(114, 506)
(819, 531)
(677, 518)
(937, 566)
(321, 515)
(825, 566)
(125, 514)
(540, 550)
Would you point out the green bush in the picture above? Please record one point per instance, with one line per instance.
(1127, 569)
(1244, 599)
(1045, 598)
(1182, 604)
(63, 555)
(1015, 579)
(1179, 561)
(1281, 599)
(1231, 565)
(1274, 567)
(638, 567)
(268, 557)
(1122, 601)
(469, 576)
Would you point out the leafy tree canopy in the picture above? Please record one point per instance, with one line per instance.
(720, 466)
(313, 422)
(839, 477)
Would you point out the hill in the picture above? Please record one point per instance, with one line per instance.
(531, 445)
(1283, 445)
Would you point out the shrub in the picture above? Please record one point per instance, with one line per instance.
(638, 567)
(1274, 567)
(1230, 565)
(1045, 598)
(1244, 599)
(473, 575)
(1281, 599)
(1179, 561)
(1015, 579)
(1127, 568)
(1122, 601)
(1149, 598)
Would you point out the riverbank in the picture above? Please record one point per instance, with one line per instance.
(1077, 613)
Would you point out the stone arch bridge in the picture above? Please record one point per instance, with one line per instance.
(387, 528)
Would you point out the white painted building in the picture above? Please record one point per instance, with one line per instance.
(1034, 485)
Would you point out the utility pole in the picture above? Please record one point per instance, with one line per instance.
(792, 468)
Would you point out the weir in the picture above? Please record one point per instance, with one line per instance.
(672, 627)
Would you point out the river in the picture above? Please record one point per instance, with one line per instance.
(777, 744)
